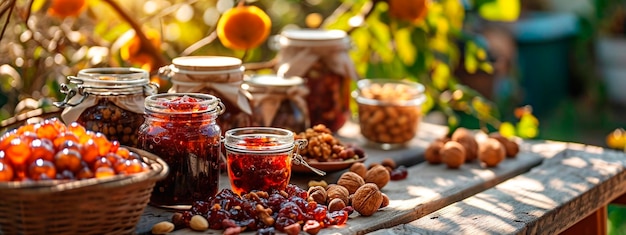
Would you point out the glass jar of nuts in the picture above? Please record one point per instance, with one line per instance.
(278, 102)
(389, 110)
(321, 58)
(219, 76)
(108, 100)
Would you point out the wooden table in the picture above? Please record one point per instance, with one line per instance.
(547, 188)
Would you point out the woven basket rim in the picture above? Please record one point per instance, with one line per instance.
(158, 170)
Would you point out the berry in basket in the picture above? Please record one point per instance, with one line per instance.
(51, 150)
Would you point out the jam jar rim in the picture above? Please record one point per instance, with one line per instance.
(257, 81)
(284, 138)
(317, 38)
(132, 77)
(213, 104)
(416, 101)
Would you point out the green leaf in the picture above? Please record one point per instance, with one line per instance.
(404, 46)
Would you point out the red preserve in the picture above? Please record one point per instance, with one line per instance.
(181, 129)
(259, 158)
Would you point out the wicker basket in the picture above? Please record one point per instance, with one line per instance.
(95, 206)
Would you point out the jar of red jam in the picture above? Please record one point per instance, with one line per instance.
(108, 100)
(260, 158)
(220, 76)
(181, 128)
(321, 58)
(278, 102)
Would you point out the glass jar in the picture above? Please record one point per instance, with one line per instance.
(390, 110)
(108, 100)
(215, 75)
(278, 102)
(259, 158)
(181, 128)
(321, 58)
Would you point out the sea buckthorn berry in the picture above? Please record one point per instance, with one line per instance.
(129, 167)
(41, 148)
(18, 150)
(123, 152)
(42, 170)
(6, 138)
(114, 146)
(26, 128)
(104, 146)
(64, 137)
(65, 175)
(102, 162)
(68, 159)
(49, 128)
(114, 159)
(104, 171)
(6, 171)
(77, 129)
(90, 151)
(85, 173)
(69, 144)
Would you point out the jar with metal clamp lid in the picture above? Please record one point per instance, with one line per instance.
(108, 100)
(278, 102)
(321, 58)
(220, 76)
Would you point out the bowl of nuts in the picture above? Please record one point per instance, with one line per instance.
(389, 109)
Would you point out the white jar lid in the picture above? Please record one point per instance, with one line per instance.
(273, 81)
(207, 63)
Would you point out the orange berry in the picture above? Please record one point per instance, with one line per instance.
(66, 8)
(409, 10)
(18, 150)
(136, 53)
(90, 151)
(42, 170)
(243, 27)
(616, 139)
(6, 171)
(41, 149)
(104, 171)
(68, 159)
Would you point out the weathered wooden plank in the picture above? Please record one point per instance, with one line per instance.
(546, 200)
(429, 188)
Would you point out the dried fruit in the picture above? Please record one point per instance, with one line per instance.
(359, 168)
(453, 154)
(466, 138)
(351, 181)
(491, 152)
(367, 199)
(243, 27)
(198, 223)
(378, 175)
(163, 227)
(312, 227)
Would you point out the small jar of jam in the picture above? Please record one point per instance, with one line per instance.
(278, 102)
(259, 158)
(181, 128)
(108, 100)
(321, 58)
(220, 76)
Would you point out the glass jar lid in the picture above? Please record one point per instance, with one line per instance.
(207, 63)
(111, 81)
(398, 92)
(183, 103)
(273, 81)
(259, 140)
(313, 37)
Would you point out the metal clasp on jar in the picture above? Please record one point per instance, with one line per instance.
(71, 92)
(298, 160)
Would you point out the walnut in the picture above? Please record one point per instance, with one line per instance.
(378, 175)
(336, 204)
(359, 168)
(466, 138)
(337, 191)
(432, 152)
(351, 181)
(511, 147)
(385, 202)
(453, 154)
(317, 194)
(389, 162)
(491, 152)
(367, 199)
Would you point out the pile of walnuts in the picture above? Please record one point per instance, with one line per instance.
(324, 147)
(463, 147)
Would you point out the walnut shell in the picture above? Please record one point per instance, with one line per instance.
(453, 154)
(337, 191)
(336, 205)
(367, 199)
(510, 146)
(466, 138)
(385, 202)
(378, 175)
(317, 194)
(359, 168)
(491, 152)
(432, 152)
(351, 181)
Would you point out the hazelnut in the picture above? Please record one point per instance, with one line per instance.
(336, 204)
(367, 199)
(378, 175)
(351, 181)
(432, 152)
(337, 191)
(491, 152)
(198, 223)
(389, 162)
(163, 227)
(466, 138)
(359, 168)
(510, 146)
(385, 202)
(311, 227)
(317, 194)
(452, 154)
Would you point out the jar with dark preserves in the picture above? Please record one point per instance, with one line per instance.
(220, 76)
(321, 58)
(181, 128)
(108, 100)
(278, 102)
